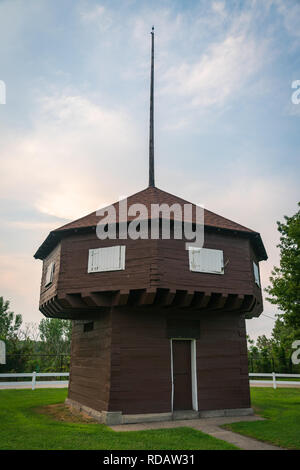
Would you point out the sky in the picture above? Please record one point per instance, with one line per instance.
(74, 128)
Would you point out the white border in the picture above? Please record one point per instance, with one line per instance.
(193, 372)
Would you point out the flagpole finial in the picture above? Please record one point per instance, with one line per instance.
(151, 130)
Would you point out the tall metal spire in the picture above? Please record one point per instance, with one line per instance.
(151, 133)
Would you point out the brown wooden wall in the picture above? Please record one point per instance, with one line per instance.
(124, 364)
(238, 275)
(151, 264)
(74, 264)
(141, 371)
(51, 290)
(256, 290)
(222, 363)
(90, 364)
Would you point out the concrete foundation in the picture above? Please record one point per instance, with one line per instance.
(116, 417)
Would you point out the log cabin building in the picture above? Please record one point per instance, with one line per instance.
(158, 329)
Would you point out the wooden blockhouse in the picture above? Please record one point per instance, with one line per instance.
(156, 336)
(158, 330)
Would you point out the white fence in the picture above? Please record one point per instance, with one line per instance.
(34, 382)
(273, 376)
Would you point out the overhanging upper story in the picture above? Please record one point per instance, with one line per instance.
(82, 274)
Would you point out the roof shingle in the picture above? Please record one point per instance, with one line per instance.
(148, 196)
(153, 195)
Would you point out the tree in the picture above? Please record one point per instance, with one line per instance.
(55, 333)
(10, 332)
(31, 347)
(283, 336)
(56, 337)
(274, 354)
(284, 290)
(9, 322)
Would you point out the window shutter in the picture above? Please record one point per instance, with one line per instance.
(49, 274)
(206, 260)
(106, 259)
(93, 264)
(91, 260)
(122, 257)
(256, 274)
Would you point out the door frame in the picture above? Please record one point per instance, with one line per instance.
(193, 372)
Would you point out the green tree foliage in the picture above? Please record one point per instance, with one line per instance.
(55, 342)
(284, 290)
(274, 354)
(18, 347)
(44, 347)
(283, 336)
(9, 322)
(55, 334)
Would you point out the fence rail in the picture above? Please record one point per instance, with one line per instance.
(34, 382)
(271, 378)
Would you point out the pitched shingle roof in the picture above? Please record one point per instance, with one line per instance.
(148, 196)
(152, 195)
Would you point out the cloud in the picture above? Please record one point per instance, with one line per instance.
(219, 7)
(98, 16)
(74, 153)
(290, 11)
(221, 74)
(92, 14)
(19, 278)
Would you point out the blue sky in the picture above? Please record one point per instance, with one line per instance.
(74, 129)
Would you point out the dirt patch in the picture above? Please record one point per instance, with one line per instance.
(256, 410)
(64, 413)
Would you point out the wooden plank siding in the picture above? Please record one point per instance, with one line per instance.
(47, 293)
(74, 263)
(151, 264)
(90, 368)
(256, 290)
(222, 364)
(124, 364)
(237, 278)
(141, 380)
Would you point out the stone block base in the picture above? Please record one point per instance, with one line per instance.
(105, 417)
(116, 417)
(228, 412)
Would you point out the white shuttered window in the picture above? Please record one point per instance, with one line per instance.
(205, 260)
(256, 274)
(49, 274)
(106, 259)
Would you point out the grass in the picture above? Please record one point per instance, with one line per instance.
(38, 420)
(281, 407)
(28, 422)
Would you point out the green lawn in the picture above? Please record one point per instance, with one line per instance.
(281, 407)
(22, 427)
